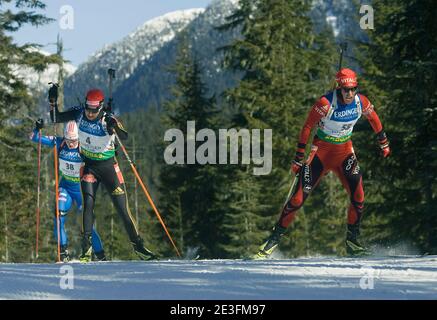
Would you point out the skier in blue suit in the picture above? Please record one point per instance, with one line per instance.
(70, 164)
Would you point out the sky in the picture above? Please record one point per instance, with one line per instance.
(86, 26)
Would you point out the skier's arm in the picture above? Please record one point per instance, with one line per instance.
(45, 140)
(318, 111)
(371, 115)
(63, 116)
(113, 124)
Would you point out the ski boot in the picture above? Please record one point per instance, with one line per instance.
(87, 250)
(99, 256)
(353, 246)
(142, 252)
(65, 255)
(270, 244)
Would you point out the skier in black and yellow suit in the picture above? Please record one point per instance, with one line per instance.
(97, 147)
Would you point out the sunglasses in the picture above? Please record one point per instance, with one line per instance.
(349, 89)
(92, 110)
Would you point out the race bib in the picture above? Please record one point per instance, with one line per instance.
(95, 142)
(70, 170)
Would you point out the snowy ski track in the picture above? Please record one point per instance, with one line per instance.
(406, 277)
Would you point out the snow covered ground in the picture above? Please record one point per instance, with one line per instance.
(304, 278)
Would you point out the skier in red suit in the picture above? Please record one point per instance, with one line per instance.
(334, 115)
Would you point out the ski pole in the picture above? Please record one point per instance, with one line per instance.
(111, 74)
(55, 154)
(38, 192)
(343, 48)
(58, 227)
(293, 184)
(297, 175)
(29, 117)
(149, 198)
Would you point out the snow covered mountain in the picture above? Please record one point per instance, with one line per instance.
(127, 54)
(149, 85)
(340, 15)
(142, 59)
(37, 81)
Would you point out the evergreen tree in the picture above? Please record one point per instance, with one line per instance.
(401, 80)
(17, 155)
(144, 146)
(190, 192)
(281, 80)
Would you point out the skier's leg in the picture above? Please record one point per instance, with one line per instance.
(113, 181)
(64, 205)
(63, 234)
(97, 245)
(89, 186)
(309, 177)
(351, 178)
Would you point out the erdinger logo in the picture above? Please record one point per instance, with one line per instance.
(91, 128)
(345, 113)
(70, 155)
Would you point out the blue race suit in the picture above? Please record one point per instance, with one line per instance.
(70, 163)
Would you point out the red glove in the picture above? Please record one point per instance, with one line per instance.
(384, 144)
(296, 166)
(386, 151)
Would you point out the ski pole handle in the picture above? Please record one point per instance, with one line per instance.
(111, 75)
(53, 93)
(343, 48)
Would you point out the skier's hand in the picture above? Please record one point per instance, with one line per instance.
(296, 166)
(297, 163)
(111, 123)
(53, 94)
(39, 124)
(384, 144)
(385, 151)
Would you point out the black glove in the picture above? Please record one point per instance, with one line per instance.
(39, 124)
(384, 144)
(111, 123)
(297, 163)
(53, 93)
